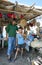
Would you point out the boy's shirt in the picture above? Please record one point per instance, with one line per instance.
(11, 30)
(20, 38)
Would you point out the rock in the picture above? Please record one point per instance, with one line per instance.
(40, 50)
(28, 59)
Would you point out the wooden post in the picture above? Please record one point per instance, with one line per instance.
(4, 0)
(34, 63)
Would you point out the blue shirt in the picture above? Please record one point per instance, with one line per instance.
(30, 37)
(20, 38)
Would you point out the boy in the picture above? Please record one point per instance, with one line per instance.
(20, 42)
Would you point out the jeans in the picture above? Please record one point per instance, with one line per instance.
(30, 38)
(11, 45)
(27, 44)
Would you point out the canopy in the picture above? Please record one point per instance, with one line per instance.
(19, 11)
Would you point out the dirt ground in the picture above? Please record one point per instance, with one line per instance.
(25, 60)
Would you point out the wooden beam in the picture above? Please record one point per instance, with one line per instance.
(17, 12)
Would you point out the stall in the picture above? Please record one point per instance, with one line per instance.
(22, 13)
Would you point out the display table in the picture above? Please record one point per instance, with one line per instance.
(36, 43)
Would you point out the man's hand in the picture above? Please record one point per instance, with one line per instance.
(6, 36)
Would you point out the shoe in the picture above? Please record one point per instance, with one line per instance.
(14, 60)
(9, 60)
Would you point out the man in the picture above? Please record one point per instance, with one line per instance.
(11, 31)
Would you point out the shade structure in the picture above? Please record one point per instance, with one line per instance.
(21, 11)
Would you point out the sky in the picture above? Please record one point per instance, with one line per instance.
(28, 2)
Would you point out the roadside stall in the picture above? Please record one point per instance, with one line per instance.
(22, 13)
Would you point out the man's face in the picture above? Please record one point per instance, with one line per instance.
(13, 22)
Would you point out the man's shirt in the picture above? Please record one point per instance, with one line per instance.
(11, 30)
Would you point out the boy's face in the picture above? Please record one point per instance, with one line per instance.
(20, 30)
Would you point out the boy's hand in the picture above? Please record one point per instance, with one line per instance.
(6, 38)
(24, 35)
(16, 44)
